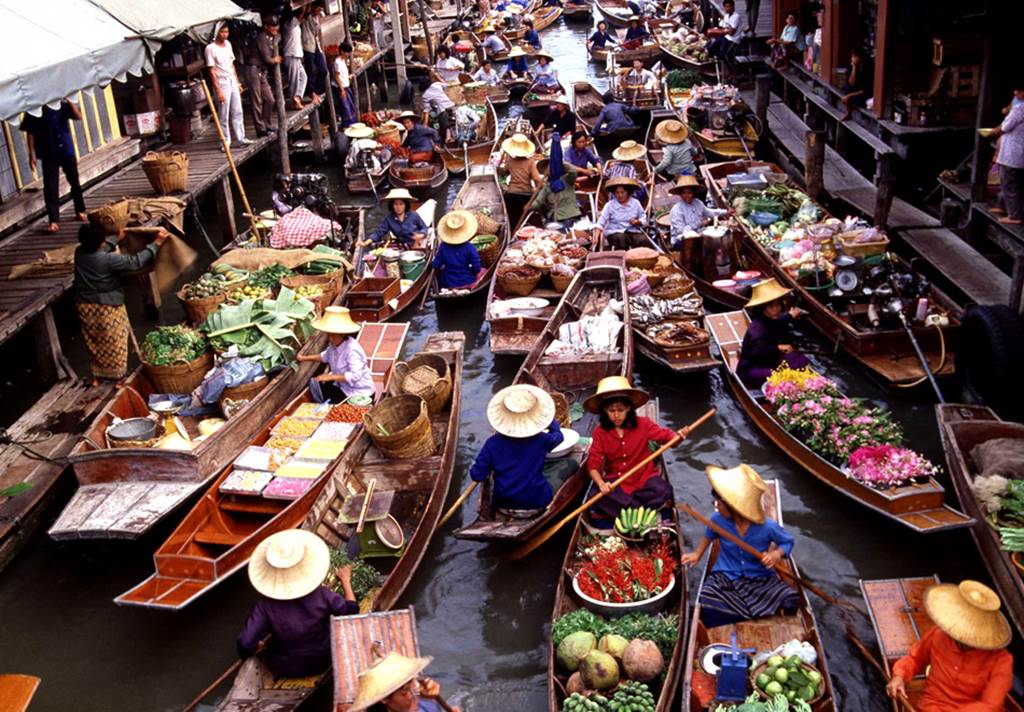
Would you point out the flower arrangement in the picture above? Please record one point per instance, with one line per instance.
(625, 575)
(883, 466)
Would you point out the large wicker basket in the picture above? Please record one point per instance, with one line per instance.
(167, 171)
(489, 253)
(196, 310)
(400, 427)
(519, 286)
(434, 385)
(179, 377)
(485, 224)
(328, 282)
(561, 282)
(112, 217)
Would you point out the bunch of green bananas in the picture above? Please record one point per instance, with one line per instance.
(636, 521)
(632, 697)
(578, 703)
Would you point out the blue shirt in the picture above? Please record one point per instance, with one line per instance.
(456, 265)
(518, 468)
(601, 39)
(519, 65)
(403, 229)
(612, 117)
(532, 38)
(581, 159)
(421, 139)
(736, 563)
(637, 33)
(51, 133)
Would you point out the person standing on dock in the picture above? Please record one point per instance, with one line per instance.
(312, 50)
(262, 55)
(291, 51)
(220, 60)
(437, 103)
(49, 140)
(1011, 164)
(339, 55)
(99, 297)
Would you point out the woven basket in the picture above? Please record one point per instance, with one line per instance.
(386, 132)
(485, 224)
(561, 409)
(404, 418)
(488, 254)
(664, 264)
(246, 391)
(167, 171)
(196, 310)
(645, 263)
(112, 217)
(517, 286)
(179, 377)
(425, 375)
(654, 279)
(134, 444)
(329, 282)
(561, 282)
(408, 173)
(672, 292)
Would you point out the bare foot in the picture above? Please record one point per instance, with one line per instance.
(297, 103)
(81, 217)
(996, 210)
(53, 228)
(316, 98)
(1009, 221)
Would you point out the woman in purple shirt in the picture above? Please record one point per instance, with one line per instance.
(294, 609)
(348, 370)
(581, 156)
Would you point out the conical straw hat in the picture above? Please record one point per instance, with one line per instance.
(671, 131)
(767, 291)
(518, 145)
(629, 151)
(385, 677)
(516, 52)
(457, 227)
(398, 194)
(336, 320)
(684, 182)
(359, 130)
(289, 564)
(626, 181)
(741, 488)
(968, 613)
(612, 387)
(520, 411)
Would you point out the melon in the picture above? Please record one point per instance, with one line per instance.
(599, 671)
(573, 648)
(642, 661)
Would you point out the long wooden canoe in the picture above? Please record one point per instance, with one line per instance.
(617, 12)
(963, 427)
(678, 604)
(496, 94)
(647, 52)
(219, 535)
(358, 181)
(575, 377)
(410, 298)
(457, 155)
(885, 350)
(536, 106)
(899, 619)
(576, 11)
(587, 104)
(17, 691)
(921, 507)
(415, 179)
(762, 634)
(480, 191)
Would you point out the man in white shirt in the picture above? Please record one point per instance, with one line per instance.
(220, 59)
(435, 100)
(728, 33)
(640, 78)
(291, 51)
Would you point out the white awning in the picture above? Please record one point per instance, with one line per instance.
(161, 20)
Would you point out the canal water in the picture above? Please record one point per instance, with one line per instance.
(485, 620)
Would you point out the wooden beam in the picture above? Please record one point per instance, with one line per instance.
(814, 165)
(426, 33)
(316, 134)
(225, 200)
(52, 363)
(1017, 285)
(398, 33)
(762, 94)
(884, 179)
(282, 119)
(985, 117)
(881, 79)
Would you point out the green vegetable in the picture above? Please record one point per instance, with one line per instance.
(580, 619)
(269, 277)
(682, 78)
(267, 329)
(15, 490)
(167, 345)
(365, 578)
(663, 630)
(773, 687)
(332, 261)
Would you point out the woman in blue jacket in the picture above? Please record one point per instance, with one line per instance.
(457, 262)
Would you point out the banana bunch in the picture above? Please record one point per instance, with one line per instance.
(579, 703)
(636, 521)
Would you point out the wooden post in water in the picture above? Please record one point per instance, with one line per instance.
(226, 209)
(884, 179)
(762, 93)
(398, 38)
(426, 33)
(316, 134)
(282, 120)
(814, 165)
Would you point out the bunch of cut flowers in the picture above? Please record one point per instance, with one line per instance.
(884, 466)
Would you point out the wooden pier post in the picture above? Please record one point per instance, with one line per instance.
(226, 209)
(762, 93)
(53, 366)
(282, 120)
(814, 165)
(884, 179)
(426, 33)
(316, 134)
(398, 40)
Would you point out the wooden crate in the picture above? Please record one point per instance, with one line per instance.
(373, 292)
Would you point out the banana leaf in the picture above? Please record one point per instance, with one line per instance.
(270, 330)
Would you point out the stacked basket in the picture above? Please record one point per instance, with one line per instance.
(167, 171)
(426, 376)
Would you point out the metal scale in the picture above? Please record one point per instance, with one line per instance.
(385, 537)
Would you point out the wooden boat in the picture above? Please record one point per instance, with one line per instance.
(221, 532)
(575, 377)
(899, 619)
(536, 106)
(587, 105)
(919, 506)
(617, 12)
(545, 17)
(679, 603)
(497, 94)
(360, 181)
(17, 691)
(886, 350)
(647, 53)
(458, 155)
(431, 176)
(643, 174)
(419, 485)
(762, 634)
(480, 191)
(726, 145)
(515, 202)
(576, 11)
(380, 299)
(517, 86)
(676, 58)
(634, 95)
(963, 427)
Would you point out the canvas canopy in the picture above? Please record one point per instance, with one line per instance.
(160, 20)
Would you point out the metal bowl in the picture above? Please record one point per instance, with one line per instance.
(133, 429)
(569, 439)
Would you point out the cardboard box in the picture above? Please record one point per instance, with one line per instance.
(145, 124)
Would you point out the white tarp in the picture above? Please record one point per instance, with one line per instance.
(54, 48)
(161, 20)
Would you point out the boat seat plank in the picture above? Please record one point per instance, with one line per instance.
(16, 691)
(123, 510)
(402, 475)
(351, 652)
(764, 633)
(937, 519)
(217, 537)
(897, 612)
(251, 504)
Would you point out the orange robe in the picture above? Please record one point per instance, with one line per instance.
(961, 680)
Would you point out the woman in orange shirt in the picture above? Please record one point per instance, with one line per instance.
(971, 671)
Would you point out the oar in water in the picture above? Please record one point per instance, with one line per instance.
(529, 546)
(223, 676)
(855, 639)
(782, 568)
(457, 504)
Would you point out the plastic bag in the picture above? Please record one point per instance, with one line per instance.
(229, 373)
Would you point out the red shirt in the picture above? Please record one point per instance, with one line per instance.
(613, 456)
(961, 680)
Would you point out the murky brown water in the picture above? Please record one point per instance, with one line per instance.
(484, 620)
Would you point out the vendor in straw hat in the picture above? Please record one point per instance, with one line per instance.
(766, 343)
(545, 76)
(394, 684)
(556, 201)
(560, 117)
(741, 587)
(619, 442)
(690, 213)
(679, 152)
(622, 214)
(287, 570)
(518, 64)
(457, 262)
(524, 418)
(492, 43)
(636, 33)
(348, 370)
(971, 670)
(404, 224)
(518, 158)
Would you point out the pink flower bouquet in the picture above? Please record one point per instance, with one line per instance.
(884, 466)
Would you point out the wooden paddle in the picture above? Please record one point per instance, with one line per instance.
(855, 639)
(782, 568)
(223, 676)
(457, 504)
(529, 546)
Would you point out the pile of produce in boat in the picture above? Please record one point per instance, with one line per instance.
(692, 46)
(167, 345)
(269, 277)
(646, 310)
(331, 261)
(616, 572)
(218, 281)
(270, 330)
(248, 291)
(999, 488)
(366, 580)
(597, 330)
(778, 703)
(790, 676)
(636, 521)
(682, 79)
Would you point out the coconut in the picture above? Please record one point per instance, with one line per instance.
(642, 661)
(575, 684)
(574, 647)
(599, 671)
(614, 645)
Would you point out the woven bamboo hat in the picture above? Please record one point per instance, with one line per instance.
(767, 291)
(336, 320)
(968, 613)
(516, 52)
(545, 55)
(615, 387)
(457, 227)
(359, 130)
(629, 151)
(562, 99)
(626, 181)
(686, 183)
(521, 410)
(289, 564)
(399, 194)
(519, 146)
(671, 131)
(741, 488)
(385, 677)
(409, 115)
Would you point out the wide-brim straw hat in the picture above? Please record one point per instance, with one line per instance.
(518, 145)
(629, 151)
(633, 17)
(521, 411)
(625, 181)
(336, 320)
(385, 677)
(409, 115)
(359, 130)
(686, 183)
(741, 488)
(615, 387)
(516, 52)
(457, 227)
(289, 564)
(767, 291)
(968, 613)
(542, 53)
(398, 194)
(562, 99)
(671, 131)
